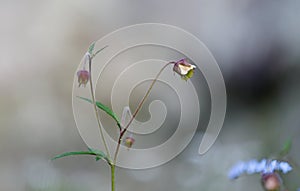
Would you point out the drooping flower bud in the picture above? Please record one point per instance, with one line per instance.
(129, 141)
(83, 77)
(271, 181)
(184, 69)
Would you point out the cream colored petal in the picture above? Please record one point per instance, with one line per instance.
(184, 69)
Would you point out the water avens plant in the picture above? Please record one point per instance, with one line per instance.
(181, 67)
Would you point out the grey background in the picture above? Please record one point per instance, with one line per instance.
(256, 44)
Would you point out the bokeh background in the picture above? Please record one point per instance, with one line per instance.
(256, 44)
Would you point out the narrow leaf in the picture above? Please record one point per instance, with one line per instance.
(104, 108)
(91, 48)
(99, 154)
(74, 153)
(286, 148)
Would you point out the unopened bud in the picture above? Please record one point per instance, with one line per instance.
(129, 141)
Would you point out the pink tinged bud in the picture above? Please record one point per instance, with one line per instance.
(129, 141)
(271, 181)
(83, 77)
(184, 69)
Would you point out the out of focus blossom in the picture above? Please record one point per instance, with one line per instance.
(253, 166)
(271, 181)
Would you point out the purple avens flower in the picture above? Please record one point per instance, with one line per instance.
(84, 75)
(264, 167)
(184, 68)
(129, 141)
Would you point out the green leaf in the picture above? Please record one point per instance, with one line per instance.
(99, 154)
(104, 108)
(74, 153)
(91, 48)
(286, 148)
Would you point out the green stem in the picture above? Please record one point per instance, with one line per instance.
(95, 108)
(92, 56)
(137, 110)
(113, 168)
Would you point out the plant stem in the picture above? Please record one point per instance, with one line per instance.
(92, 56)
(122, 133)
(95, 107)
(112, 169)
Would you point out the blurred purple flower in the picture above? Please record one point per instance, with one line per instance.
(285, 167)
(253, 166)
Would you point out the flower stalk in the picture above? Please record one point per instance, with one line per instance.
(95, 106)
(112, 169)
(137, 110)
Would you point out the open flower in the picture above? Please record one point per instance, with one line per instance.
(129, 141)
(184, 69)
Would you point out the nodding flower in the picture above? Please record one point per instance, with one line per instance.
(184, 69)
(84, 75)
